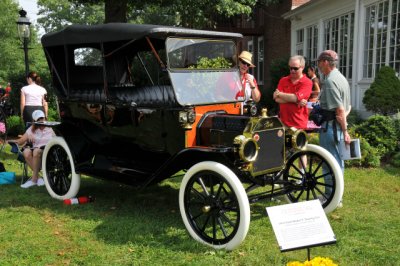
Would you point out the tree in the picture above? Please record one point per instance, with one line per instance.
(383, 95)
(56, 14)
(11, 57)
(187, 13)
(12, 64)
(115, 10)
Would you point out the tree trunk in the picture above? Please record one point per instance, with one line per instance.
(115, 10)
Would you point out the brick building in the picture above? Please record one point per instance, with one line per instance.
(267, 35)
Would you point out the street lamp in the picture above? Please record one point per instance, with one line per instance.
(24, 34)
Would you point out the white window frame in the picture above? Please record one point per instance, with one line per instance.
(300, 41)
(339, 36)
(393, 56)
(311, 50)
(260, 60)
(377, 29)
(250, 48)
(382, 47)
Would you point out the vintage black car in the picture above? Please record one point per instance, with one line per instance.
(139, 103)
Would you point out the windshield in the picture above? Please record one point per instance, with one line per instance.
(203, 71)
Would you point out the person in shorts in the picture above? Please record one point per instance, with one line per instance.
(33, 97)
(37, 136)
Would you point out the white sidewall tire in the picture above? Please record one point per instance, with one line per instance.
(75, 178)
(339, 181)
(239, 191)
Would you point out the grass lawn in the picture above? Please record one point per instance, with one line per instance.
(125, 226)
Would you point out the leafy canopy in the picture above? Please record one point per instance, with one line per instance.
(188, 13)
(56, 14)
(12, 62)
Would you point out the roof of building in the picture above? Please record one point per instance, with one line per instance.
(301, 8)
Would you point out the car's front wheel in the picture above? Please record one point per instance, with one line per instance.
(62, 182)
(214, 205)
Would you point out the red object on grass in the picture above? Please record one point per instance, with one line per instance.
(78, 200)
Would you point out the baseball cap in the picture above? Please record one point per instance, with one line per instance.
(37, 114)
(329, 55)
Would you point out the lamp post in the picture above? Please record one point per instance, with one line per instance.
(24, 34)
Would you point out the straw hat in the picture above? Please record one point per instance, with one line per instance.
(247, 57)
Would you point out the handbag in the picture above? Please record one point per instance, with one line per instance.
(319, 115)
(7, 178)
(316, 115)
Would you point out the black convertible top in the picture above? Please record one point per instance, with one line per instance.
(78, 34)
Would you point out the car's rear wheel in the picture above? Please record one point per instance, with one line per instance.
(214, 205)
(59, 170)
(315, 174)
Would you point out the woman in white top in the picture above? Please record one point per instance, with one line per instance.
(33, 97)
(37, 136)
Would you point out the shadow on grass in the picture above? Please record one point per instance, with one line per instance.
(391, 170)
(124, 214)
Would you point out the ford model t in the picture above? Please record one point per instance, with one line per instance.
(139, 103)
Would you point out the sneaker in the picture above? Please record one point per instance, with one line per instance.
(28, 184)
(299, 181)
(40, 182)
(340, 205)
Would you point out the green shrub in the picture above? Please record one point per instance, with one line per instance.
(313, 138)
(380, 133)
(369, 156)
(52, 115)
(396, 160)
(278, 69)
(15, 126)
(354, 118)
(212, 63)
(383, 95)
(396, 124)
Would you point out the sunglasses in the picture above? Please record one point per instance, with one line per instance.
(294, 68)
(244, 63)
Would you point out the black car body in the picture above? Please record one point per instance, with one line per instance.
(139, 103)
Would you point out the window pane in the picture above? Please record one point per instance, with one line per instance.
(260, 65)
(299, 41)
(87, 57)
(311, 45)
(394, 46)
(339, 37)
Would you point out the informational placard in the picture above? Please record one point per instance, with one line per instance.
(300, 225)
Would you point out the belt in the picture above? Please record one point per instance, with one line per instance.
(334, 128)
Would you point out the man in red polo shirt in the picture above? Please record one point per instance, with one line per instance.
(291, 90)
